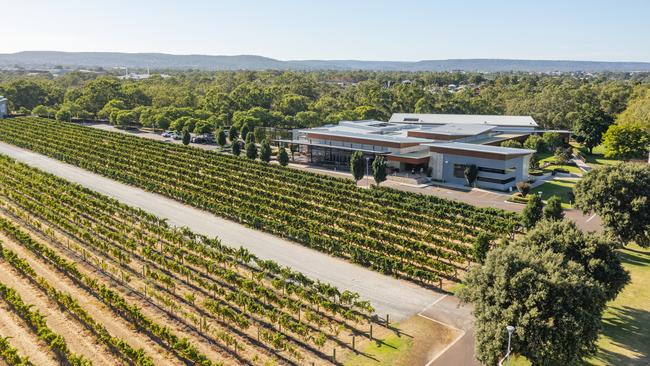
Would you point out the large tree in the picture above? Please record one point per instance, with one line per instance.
(626, 141)
(620, 195)
(589, 129)
(554, 305)
(596, 254)
(357, 165)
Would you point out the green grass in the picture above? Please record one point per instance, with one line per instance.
(625, 337)
(597, 157)
(386, 352)
(557, 187)
(549, 157)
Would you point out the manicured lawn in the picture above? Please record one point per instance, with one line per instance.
(625, 338)
(597, 157)
(557, 187)
(549, 157)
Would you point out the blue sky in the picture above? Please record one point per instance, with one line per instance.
(336, 29)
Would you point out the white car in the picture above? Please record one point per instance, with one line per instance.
(166, 134)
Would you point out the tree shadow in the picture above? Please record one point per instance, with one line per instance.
(627, 328)
(629, 256)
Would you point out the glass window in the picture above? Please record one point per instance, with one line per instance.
(459, 170)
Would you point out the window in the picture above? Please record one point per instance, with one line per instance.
(411, 119)
(497, 171)
(494, 180)
(459, 170)
(491, 170)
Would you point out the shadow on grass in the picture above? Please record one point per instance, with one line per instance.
(633, 257)
(628, 328)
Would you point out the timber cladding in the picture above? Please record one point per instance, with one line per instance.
(357, 140)
(475, 154)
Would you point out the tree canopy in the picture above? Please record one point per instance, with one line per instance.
(620, 195)
(552, 285)
(357, 165)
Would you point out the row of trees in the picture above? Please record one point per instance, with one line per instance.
(300, 99)
(553, 283)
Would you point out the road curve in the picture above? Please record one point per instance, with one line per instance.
(388, 295)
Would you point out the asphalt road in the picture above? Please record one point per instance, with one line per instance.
(388, 295)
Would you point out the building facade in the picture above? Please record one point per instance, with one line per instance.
(440, 146)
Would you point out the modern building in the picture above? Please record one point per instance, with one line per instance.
(438, 145)
(3, 107)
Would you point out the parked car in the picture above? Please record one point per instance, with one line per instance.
(177, 136)
(202, 139)
(166, 134)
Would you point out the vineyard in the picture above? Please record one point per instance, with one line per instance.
(422, 238)
(146, 293)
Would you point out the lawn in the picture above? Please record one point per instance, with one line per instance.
(597, 157)
(549, 157)
(557, 187)
(625, 338)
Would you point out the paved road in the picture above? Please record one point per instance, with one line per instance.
(449, 311)
(398, 298)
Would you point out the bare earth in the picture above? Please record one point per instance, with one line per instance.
(78, 338)
(102, 314)
(23, 339)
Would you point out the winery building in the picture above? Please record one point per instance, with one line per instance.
(439, 145)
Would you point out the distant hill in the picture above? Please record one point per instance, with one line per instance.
(48, 59)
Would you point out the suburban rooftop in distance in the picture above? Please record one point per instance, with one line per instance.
(474, 119)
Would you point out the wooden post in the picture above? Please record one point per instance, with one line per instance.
(354, 342)
(370, 330)
(387, 320)
(334, 354)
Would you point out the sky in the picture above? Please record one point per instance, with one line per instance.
(398, 30)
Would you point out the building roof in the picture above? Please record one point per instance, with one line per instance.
(497, 150)
(397, 137)
(482, 119)
(458, 130)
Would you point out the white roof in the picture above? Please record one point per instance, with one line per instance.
(476, 119)
(458, 129)
(484, 148)
(401, 138)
